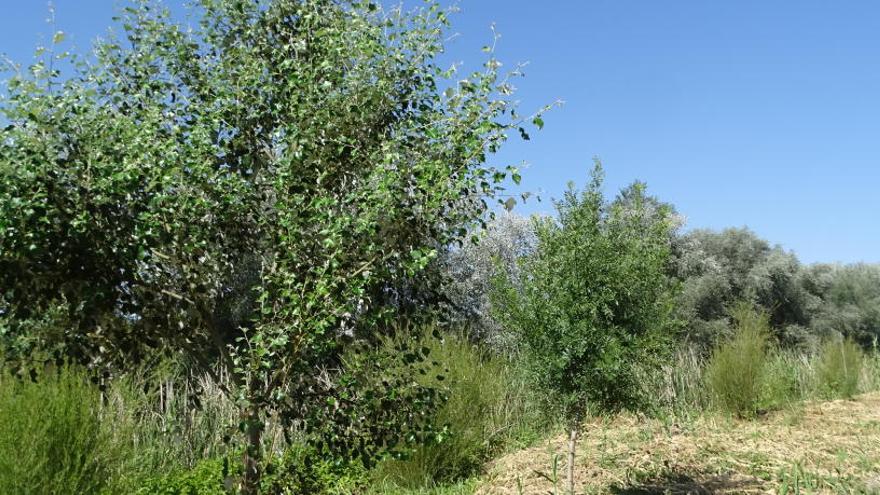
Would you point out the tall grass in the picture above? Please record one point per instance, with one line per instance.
(62, 434)
(839, 368)
(677, 387)
(489, 408)
(736, 370)
(690, 385)
(53, 437)
(787, 379)
(165, 430)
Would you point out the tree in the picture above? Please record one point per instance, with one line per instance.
(592, 303)
(850, 301)
(720, 269)
(506, 239)
(243, 192)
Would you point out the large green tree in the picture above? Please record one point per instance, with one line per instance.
(720, 269)
(592, 303)
(243, 190)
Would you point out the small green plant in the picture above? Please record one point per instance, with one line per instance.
(206, 478)
(51, 436)
(553, 475)
(303, 469)
(839, 368)
(735, 374)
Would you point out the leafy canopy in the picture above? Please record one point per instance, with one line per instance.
(246, 190)
(593, 301)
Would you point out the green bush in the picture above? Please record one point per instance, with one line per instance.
(838, 369)
(737, 368)
(301, 469)
(489, 408)
(206, 478)
(59, 435)
(52, 437)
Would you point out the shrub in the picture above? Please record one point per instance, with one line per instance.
(839, 367)
(206, 478)
(51, 436)
(302, 469)
(737, 369)
(488, 408)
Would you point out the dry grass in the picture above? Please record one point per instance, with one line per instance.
(827, 447)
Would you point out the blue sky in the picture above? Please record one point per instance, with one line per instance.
(755, 113)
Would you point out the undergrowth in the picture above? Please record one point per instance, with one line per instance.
(490, 408)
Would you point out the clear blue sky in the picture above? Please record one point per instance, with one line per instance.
(764, 114)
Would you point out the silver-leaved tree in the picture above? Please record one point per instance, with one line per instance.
(244, 191)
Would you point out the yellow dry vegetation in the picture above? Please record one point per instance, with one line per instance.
(817, 447)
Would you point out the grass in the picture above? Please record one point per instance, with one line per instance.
(489, 409)
(839, 368)
(53, 437)
(61, 434)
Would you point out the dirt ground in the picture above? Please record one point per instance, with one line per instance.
(823, 447)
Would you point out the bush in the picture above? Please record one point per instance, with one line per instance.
(52, 439)
(206, 478)
(302, 469)
(736, 371)
(488, 408)
(839, 368)
(59, 435)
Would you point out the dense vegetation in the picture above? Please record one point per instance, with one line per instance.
(261, 255)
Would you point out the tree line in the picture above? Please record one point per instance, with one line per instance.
(269, 193)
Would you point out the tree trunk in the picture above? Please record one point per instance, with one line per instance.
(253, 453)
(572, 443)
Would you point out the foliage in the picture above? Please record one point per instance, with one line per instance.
(302, 469)
(52, 435)
(850, 301)
(244, 190)
(839, 368)
(489, 408)
(676, 388)
(206, 478)
(786, 380)
(736, 372)
(718, 269)
(506, 239)
(167, 420)
(593, 301)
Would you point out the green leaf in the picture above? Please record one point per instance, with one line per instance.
(539, 122)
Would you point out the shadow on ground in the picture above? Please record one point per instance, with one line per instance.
(677, 483)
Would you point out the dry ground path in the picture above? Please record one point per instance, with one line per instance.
(818, 447)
